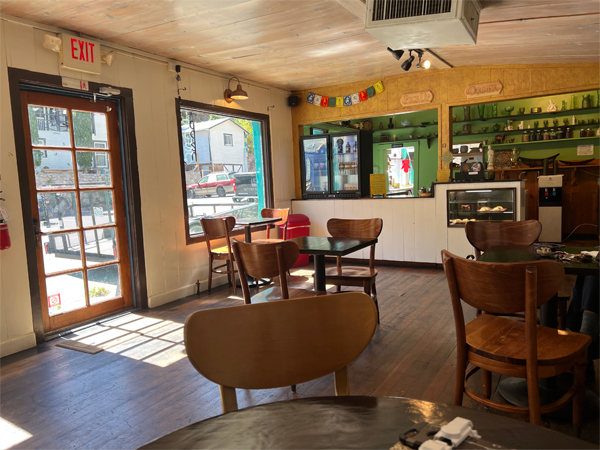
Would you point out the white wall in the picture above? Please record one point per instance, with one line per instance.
(172, 267)
(414, 229)
(227, 154)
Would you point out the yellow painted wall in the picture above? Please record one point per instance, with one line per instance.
(448, 87)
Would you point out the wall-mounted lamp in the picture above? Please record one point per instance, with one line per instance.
(397, 53)
(408, 63)
(108, 58)
(238, 94)
(52, 43)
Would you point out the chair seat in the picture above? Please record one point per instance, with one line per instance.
(221, 251)
(350, 272)
(503, 340)
(274, 294)
(267, 241)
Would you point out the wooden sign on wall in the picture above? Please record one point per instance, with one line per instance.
(483, 89)
(416, 98)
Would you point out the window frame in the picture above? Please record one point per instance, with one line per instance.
(225, 135)
(265, 130)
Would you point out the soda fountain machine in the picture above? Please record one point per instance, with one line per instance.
(550, 207)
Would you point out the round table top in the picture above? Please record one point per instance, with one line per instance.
(350, 422)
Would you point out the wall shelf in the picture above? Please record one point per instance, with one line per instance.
(563, 127)
(404, 128)
(566, 112)
(428, 139)
(513, 144)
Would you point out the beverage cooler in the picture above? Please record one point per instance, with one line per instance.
(336, 165)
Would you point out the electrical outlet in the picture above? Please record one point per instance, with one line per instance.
(171, 67)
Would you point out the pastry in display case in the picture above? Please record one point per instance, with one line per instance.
(481, 205)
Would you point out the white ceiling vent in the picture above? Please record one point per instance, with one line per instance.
(405, 24)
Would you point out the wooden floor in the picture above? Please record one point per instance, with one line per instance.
(142, 386)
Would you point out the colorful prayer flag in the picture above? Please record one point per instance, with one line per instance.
(370, 91)
(339, 102)
(317, 100)
(355, 99)
(332, 101)
(310, 97)
(378, 87)
(362, 95)
(347, 100)
(324, 101)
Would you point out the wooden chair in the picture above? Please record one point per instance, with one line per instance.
(267, 261)
(483, 235)
(282, 224)
(219, 228)
(510, 347)
(352, 275)
(269, 345)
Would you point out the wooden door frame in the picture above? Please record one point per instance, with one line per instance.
(18, 77)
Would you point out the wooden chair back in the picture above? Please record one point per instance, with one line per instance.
(217, 228)
(483, 235)
(356, 228)
(270, 213)
(499, 288)
(269, 345)
(265, 261)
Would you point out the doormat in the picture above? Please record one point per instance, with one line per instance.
(79, 346)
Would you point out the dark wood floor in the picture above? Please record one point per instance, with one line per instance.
(143, 387)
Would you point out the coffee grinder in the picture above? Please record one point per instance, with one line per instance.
(550, 207)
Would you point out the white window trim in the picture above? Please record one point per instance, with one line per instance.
(225, 139)
(104, 155)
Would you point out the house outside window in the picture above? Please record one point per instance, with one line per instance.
(226, 164)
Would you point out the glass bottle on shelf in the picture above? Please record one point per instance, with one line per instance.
(582, 133)
(546, 135)
(525, 136)
(589, 133)
(532, 136)
(568, 134)
(560, 134)
(552, 134)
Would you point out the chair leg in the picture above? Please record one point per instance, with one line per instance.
(232, 268)
(338, 288)
(210, 272)
(487, 383)
(229, 272)
(533, 394)
(459, 382)
(477, 313)
(293, 388)
(579, 397)
(374, 292)
(562, 315)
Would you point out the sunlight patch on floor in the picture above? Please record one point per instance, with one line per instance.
(150, 340)
(11, 434)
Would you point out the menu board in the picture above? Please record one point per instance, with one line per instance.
(378, 184)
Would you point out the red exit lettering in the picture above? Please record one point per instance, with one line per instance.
(84, 49)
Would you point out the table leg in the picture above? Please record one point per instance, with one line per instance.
(320, 273)
(247, 234)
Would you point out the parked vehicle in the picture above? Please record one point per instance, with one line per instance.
(239, 212)
(216, 183)
(245, 187)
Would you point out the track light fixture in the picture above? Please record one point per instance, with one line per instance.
(422, 65)
(238, 94)
(397, 53)
(408, 63)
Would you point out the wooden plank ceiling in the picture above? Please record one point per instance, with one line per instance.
(304, 44)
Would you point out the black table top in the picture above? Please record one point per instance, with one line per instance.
(519, 253)
(314, 245)
(251, 221)
(350, 422)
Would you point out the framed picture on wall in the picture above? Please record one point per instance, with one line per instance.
(384, 138)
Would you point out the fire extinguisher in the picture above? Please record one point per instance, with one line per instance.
(4, 236)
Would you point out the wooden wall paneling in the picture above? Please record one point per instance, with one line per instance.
(282, 149)
(409, 229)
(425, 242)
(366, 212)
(167, 170)
(441, 228)
(387, 239)
(150, 184)
(45, 60)
(20, 45)
(110, 74)
(397, 229)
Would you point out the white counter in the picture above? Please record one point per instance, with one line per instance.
(414, 229)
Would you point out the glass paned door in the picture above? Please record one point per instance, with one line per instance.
(345, 163)
(78, 207)
(315, 164)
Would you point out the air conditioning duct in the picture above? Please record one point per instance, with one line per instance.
(423, 23)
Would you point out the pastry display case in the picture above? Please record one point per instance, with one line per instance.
(481, 205)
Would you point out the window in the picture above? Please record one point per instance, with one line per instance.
(217, 145)
(101, 159)
(100, 144)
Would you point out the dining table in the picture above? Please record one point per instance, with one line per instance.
(249, 222)
(514, 390)
(348, 422)
(320, 247)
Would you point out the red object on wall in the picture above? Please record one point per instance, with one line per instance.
(4, 236)
(298, 226)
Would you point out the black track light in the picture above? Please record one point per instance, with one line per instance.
(397, 53)
(406, 64)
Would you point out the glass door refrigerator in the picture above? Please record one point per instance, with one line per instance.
(336, 165)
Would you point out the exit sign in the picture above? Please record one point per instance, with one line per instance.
(80, 54)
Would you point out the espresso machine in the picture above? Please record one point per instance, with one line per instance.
(550, 207)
